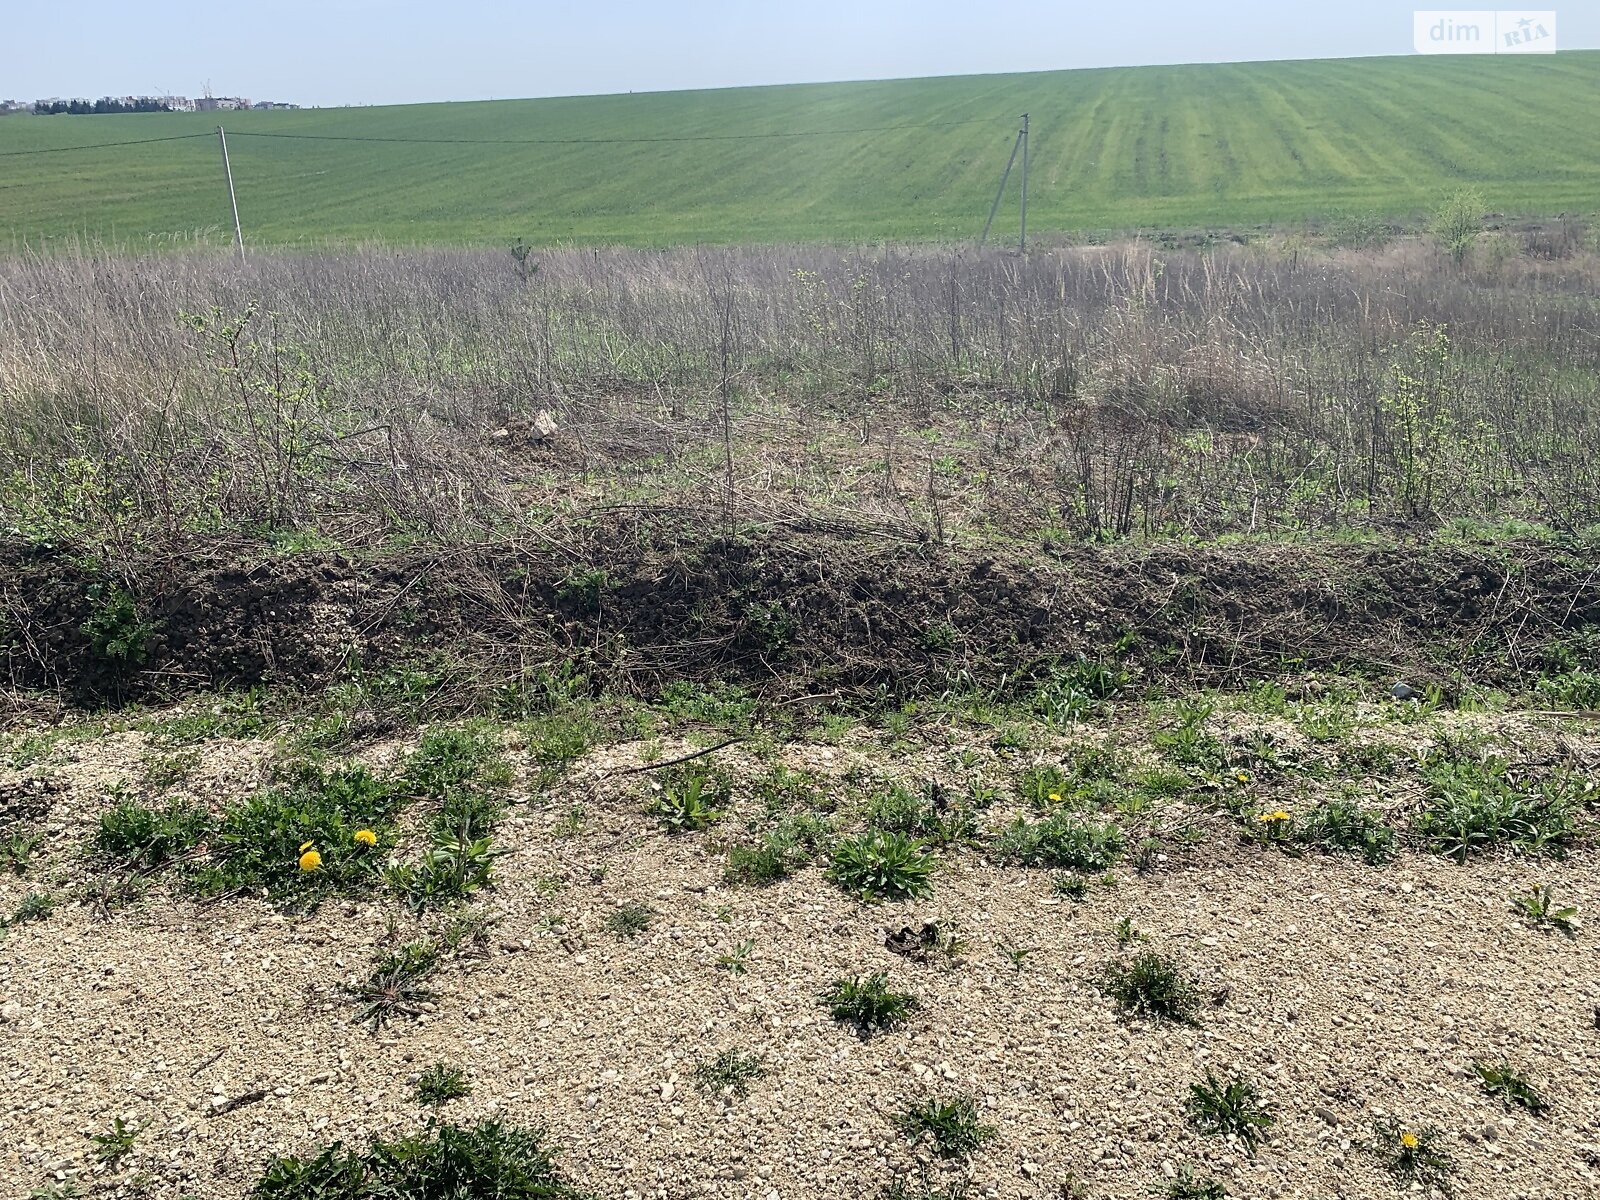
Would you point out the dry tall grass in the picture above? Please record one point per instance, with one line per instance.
(1078, 393)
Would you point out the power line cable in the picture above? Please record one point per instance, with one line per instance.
(603, 141)
(180, 137)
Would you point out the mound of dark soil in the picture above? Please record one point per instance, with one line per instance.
(641, 606)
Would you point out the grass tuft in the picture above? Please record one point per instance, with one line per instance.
(1151, 985)
(444, 1162)
(868, 1003)
(951, 1126)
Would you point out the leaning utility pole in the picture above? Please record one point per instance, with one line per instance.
(227, 169)
(1020, 144)
(1001, 190)
(1022, 237)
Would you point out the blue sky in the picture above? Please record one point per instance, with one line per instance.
(397, 51)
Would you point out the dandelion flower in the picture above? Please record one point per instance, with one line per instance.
(1408, 1140)
(1243, 776)
(366, 837)
(1055, 797)
(310, 860)
(304, 846)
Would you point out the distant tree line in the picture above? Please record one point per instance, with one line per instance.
(105, 104)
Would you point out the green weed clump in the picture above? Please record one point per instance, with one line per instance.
(1151, 985)
(1414, 1157)
(16, 851)
(116, 1144)
(868, 1003)
(732, 1072)
(630, 920)
(395, 987)
(118, 634)
(439, 1085)
(143, 838)
(1542, 910)
(35, 906)
(929, 818)
(779, 852)
(952, 1127)
(449, 758)
(1343, 826)
(881, 865)
(687, 802)
(1474, 806)
(1229, 1107)
(1511, 1086)
(1062, 841)
(265, 841)
(444, 1162)
(460, 855)
(1189, 1186)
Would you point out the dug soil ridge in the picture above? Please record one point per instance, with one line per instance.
(798, 613)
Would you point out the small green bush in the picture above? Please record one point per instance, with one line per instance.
(439, 1085)
(449, 758)
(1230, 1107)
(1189, 1186)
(1511, 1086)
(257, 843)
(731, 1071)
(395, 986)
(117, 633)
(1414, 1157)
(686, 803)
(630, 920)
(779, 853)
(930, 818)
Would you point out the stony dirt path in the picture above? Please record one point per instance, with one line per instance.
(1347, 992)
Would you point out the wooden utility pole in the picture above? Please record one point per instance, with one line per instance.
(1022, 237)
(227, 169)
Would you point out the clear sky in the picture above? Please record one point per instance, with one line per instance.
(397, 51)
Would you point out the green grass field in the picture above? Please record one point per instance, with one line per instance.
(1117, 149)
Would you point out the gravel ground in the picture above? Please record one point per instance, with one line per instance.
(1346, 993)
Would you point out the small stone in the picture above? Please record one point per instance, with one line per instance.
(1325, 1115)
(11, 1011)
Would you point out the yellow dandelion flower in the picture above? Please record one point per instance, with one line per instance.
(304, 846)
(1408, 1140)
(366, 837)
(1243, 776)
(1266, 817)
(1055, 797)
(310, 860)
